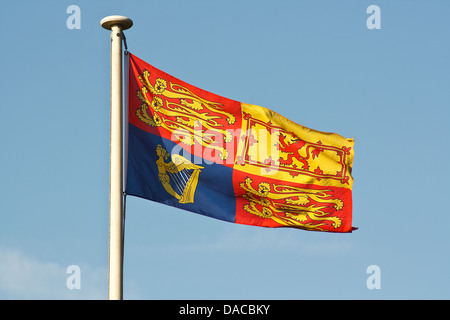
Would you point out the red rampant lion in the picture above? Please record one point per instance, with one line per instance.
(292, 150)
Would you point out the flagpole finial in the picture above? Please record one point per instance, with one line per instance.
(110, 21)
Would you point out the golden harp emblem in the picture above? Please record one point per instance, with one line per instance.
(179, 176)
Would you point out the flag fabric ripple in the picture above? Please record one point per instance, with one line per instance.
(201, 152)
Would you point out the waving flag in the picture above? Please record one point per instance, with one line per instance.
(233, 161)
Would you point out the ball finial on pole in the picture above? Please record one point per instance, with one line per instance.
(110, 21)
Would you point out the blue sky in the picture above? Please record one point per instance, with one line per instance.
(315, 62)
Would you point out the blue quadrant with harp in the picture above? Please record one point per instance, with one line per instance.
(160, 170)
(178, 176)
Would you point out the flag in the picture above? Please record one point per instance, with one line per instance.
(201, 152)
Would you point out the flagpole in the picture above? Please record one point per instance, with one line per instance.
(115, 274)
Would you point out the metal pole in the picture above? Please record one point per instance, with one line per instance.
(115, 275)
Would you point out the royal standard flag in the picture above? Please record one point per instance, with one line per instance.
(232, 161)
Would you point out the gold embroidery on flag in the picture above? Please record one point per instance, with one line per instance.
(276, 148)
(292, 206)
(190, 118)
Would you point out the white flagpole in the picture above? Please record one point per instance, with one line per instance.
(115, 275)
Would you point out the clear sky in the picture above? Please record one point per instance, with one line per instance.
(315, 62)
